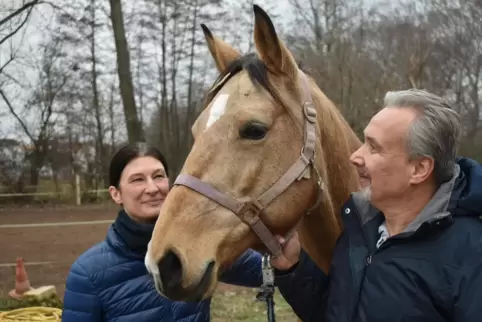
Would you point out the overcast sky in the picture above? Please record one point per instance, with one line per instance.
(38, 28)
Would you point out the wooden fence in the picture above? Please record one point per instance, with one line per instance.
(67, 194)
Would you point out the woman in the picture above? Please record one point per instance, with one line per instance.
(109, 282)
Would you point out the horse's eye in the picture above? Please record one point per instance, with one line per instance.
(253, 131)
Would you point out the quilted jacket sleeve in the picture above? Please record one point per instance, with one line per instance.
(304, 288)
(81, 302)
(246, 270)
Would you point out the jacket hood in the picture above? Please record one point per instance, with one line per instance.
(466, 197)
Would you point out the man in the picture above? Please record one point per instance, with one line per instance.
(411, 249)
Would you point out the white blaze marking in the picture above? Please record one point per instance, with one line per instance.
(218, 109)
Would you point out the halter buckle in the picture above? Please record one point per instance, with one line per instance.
(250, 211)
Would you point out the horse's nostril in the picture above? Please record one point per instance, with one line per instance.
(169, 282)
(170, 270)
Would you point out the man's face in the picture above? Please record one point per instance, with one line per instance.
(383, 161)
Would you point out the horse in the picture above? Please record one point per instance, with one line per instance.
(270, 156)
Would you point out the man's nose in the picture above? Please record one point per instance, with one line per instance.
(356, 157)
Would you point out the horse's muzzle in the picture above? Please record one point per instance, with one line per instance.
(170, 278)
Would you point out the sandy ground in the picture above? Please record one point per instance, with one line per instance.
(59, 245)
(50, 250)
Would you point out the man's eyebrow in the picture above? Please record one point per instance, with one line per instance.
(373, 141)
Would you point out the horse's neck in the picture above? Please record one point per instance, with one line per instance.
(320, 230)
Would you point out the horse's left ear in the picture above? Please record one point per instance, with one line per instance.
(271, 49)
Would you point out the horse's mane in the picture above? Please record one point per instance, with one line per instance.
(257, 71)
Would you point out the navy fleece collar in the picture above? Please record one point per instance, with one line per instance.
(135, 235)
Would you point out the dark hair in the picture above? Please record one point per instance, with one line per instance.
(128, 153)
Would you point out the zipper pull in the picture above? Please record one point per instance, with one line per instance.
(369, 259)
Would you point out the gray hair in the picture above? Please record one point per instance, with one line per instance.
(435, 133)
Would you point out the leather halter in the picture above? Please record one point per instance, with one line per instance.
(249, 212)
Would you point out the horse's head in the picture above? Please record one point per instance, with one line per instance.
(249, 174)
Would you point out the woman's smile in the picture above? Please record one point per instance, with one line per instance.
(154, 202)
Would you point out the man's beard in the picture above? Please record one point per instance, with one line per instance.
(366, 192)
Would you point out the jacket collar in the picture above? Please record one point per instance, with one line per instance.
(128, 236)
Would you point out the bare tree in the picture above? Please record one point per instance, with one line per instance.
(135, 131)
(12, 166)
(42, 107)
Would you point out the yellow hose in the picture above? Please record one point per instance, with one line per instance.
(34, 313)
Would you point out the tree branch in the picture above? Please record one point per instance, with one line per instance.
(10, 107)
(4, 39)
(29, 5)
(19, 11)
(12, 57)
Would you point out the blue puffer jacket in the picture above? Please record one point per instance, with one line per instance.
(109, 282)
(431, 272)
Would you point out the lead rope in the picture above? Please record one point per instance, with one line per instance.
(267, 288)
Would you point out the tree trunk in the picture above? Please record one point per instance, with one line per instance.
(187, 139)
(134, 127)
(100, 153)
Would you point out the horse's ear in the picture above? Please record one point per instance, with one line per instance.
(222, 53)
(271, 49)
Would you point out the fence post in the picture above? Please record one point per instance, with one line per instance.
(77, 189)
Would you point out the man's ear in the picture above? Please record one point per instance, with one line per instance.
(422, 170)
(115, 195)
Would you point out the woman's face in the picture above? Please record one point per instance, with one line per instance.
(142, 188)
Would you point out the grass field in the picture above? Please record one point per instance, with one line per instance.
(238, 305)
(58, 246)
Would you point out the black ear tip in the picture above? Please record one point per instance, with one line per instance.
(259, 11)
(206, 31)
